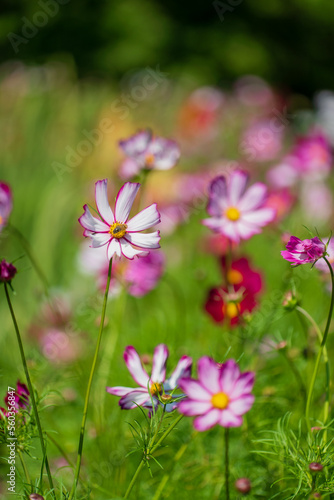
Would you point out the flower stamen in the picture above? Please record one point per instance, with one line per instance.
(220, 400)
(118, 230)
(232, 213)
(155, 388)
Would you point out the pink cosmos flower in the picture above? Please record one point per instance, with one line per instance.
(7, 272)
(238, 212)
(6, 203)
(150, 387)
(221, 395)
(303, 251)
(312, 154)
(144, 151)
(321, 264)
(261, 141)
(114, 230)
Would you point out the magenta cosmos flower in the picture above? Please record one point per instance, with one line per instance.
(144, 151)
(6, 203)
(7, 271)
(303, 251)
(221, 395)
(238, 212)
(114, 230)
(150, 387)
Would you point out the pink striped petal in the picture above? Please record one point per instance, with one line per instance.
(228, 419)
(254, 197)
(133, 399)
(159, 363)
(121, 391)
(228, 376)
(205, 422)
(91, 223)
(194, 389)
(144, 220)
(242, 404)
(124, 201)
(208, 374)
(217, 197)
(191, 408)
(236, 186)
(101, 199)
(183, 369)
(243, 385)
(135, 367)
(144, 240)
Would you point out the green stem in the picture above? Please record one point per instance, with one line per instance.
(143, 461)
(227, 471)
(26, 473)
(152, 441)
(31, 390)
(90, 380)
(322, 345)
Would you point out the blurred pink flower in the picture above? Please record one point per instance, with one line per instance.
(238, 212)
(59, 347)
(282, 201)
(303, 251)
(6, 203)
(157, 383)
(7, 271)
(312, 155)
(120, 235)
(321, 264)
(144, 151)
(253, 91)
(142, 275)
(317, 201)
(262, 141)
(221, 395)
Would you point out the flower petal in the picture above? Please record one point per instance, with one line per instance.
(194, 389)
(228, 376)
(144, 240)
(135, 367)
(254, 197)
(137, 144)
(242, 404)
(121, 391)
(114, 247)
(124, 201)
(144, 220)
(102, 203)
(191, 408)
(133, 399)
(129, 251)
(205, 422)
(217, 196)
(165, 151)
(159, 363)
(228, 419)
(99, 239)
(183, 369)
(259, 217)
(243, 385)
(91, 223)
(246, 230)
(236, 186)
(208, 374)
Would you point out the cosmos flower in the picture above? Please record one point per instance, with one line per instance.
(312, 155)
(144, 151)
(150, 387)
(221, 395)
(21, 400)
(6, 203)
(7, 272)
(114, 230)
(321, 263)
(237, 212)
(303, 251)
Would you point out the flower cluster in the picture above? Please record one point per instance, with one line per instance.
(304, 251)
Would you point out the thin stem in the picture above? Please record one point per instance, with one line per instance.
(165, 434)
(227, 479)
(31, 390)
(90, 380)
(152, 441)
(322, 345)
(133, 480)
(26, 472)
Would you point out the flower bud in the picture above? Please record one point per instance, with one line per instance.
(243, 485)
(314, 496)
(290, 301)
(7, 271)
(166, 398)
(36, 496)
(315, 467)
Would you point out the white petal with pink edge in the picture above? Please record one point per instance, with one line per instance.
(101, 199)
(229, 374)
(260, 217)
(122, 391)
(124, 201)
(136, 144)
(149, 240)
(254, 197)
(194, 389)
(99, 239)
(144, 220)
(243, 385)
(208, 374)
(242, 404)
(246, 230)
(91, 223)
(133, 399)
(183, 369)
(129, 252)
(159, 363)
(114, 248)
(135, 367)
(228, 419)
(236, 186)
(217, 197)
(191, 408)
(205, 422)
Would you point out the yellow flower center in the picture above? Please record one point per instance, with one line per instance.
(231, 310)
(234, 277)
(149, 159)
(220, 400)
(118, 230)
(155, 388)
(232, 213)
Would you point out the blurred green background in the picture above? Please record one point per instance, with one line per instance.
(290, 44)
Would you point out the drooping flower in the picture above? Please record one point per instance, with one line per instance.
(237, 296)
(114, 230)
(7, 271)
(6, 203)
(303, 251)
(150, 387)
(145, 151)
(221, 395)
(238, 212)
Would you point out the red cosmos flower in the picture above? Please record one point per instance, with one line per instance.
(231, 301)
